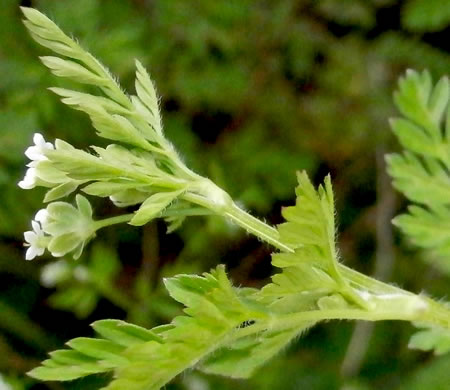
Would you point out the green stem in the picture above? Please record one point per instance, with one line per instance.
(256, 227)
(112, 221)
(270, 234)
(402, 307)
(436, 313)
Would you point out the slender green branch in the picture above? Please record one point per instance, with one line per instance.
(437, 313)
(113, 220)
(406, 307)
(256, 227)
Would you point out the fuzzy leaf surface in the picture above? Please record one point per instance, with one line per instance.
(421, 173)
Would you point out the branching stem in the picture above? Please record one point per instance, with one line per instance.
(356, 286)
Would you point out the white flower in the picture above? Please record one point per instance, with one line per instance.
(29, 181)
(42, 216)
(35, 240)
(37, 152)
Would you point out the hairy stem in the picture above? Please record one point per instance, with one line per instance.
(407, 307)
(356, 285)
(256, 227)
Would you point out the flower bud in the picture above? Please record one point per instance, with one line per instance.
(61, 229)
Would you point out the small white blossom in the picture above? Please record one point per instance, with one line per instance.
(42, 216)
(37, 152)
(35, 240)
(29, 181)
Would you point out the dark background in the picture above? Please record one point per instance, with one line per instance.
(251, 91)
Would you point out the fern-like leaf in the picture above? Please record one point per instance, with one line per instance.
(148, 359)
(431, 339)
(304, 281)
(421, 171)
(92, 356)
(214, 310)
(310, 229)
(217, 333)
(134, 120)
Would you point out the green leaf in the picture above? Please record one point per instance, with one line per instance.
(107, 188)
(414, 177)
(213, 311)
(148, 359)
(304, 283)
(73, 70)
(48, 34)
(421, 171)
(65, 243)
(123, 333)
(80, 165)
(84, 207)
(81, 100)
(70, 357)
(115, 127)
(147, 95)
(414, 138)
(62, 211)
(174, 222)
(66, 372)
(243, 358)
(104, 350)
(431, 339)
(427, 228)
(118, 117)
(61, 191)
(310, 230)
(153, 206)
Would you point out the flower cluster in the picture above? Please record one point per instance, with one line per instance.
(139, 166)
(36, 154)
(41, 172)
(61, 229)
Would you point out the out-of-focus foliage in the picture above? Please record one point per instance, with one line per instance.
(426, 15)
(251, 92)
(420, 173)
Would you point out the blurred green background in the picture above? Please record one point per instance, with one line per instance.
(251, 91)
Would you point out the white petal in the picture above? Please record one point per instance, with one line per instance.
(35, 153)
(32, 164)
(29, 181)
(38, 139)
(37, 228)
(24, 185)
(31, 253)
(49, 146)
(30, 237)
(41, 216)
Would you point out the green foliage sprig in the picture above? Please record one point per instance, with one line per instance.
(225, 330)
(421, 173)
